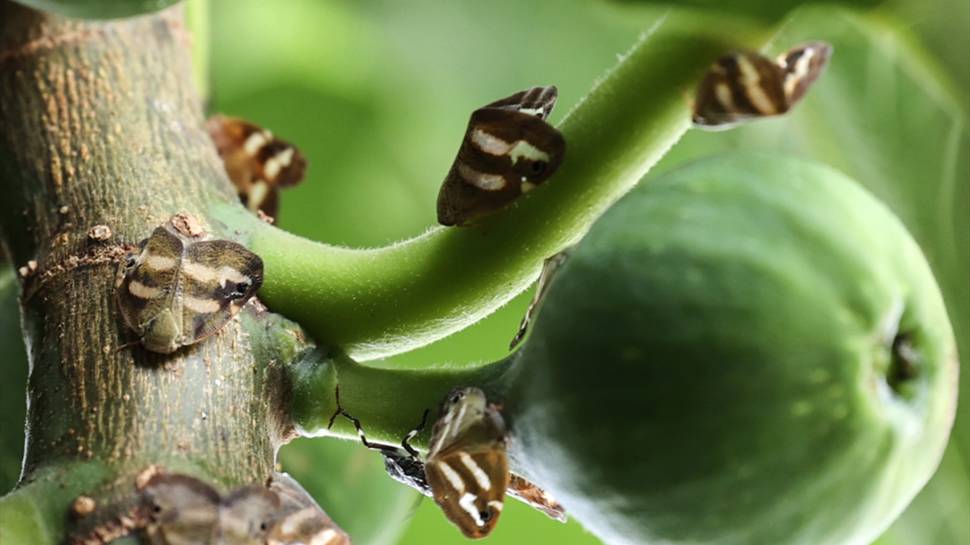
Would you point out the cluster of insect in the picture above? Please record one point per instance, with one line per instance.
(178, 509)
(179, 287)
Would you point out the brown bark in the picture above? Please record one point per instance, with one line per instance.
(100, 125)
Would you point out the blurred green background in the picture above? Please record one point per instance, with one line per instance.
(377, 94)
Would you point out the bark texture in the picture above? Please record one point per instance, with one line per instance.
(100, 125)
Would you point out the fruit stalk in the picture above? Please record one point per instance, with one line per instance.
(378, 302)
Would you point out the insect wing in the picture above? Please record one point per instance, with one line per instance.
(218, 277)
(301, 521)
(148, 287)
(737, 87)
(537, 101)
(182, 510)
(537, 498)
(257, 162)
(467, 467)
(246, 515)
(470, 486)
(801, 66)
(508, 149)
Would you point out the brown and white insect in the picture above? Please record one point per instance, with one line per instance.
(466, 469)
(258, 163)
(182, 510)
(508, 149)
(177, 509)
(300, 520)
(746, 85)
(549, 268)
(175, 290)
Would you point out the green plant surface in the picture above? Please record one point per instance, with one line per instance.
(758, 9)
(378, 94)
(36, 512)
(379, 302)
(888, 114)
(99, 9)
(743, 393)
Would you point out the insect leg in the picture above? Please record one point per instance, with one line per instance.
(357, 425)
(406, 442)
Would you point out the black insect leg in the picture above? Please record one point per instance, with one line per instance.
(357, 425)
(406, 442)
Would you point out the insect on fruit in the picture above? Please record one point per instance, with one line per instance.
(466, 470)
(258, 163)
(745, 85)
(508, 149)
(175, 290)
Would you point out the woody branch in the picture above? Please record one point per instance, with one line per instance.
(100, 126)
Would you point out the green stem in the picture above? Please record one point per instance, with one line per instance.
(388, 401)
(374, 303)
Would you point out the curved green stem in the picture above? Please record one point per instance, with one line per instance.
(378, 302)
(388, 401)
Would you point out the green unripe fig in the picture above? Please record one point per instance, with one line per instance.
(750, 350)
(98, 9)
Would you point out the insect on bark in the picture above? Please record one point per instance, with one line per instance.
(184, 510)
(175, 290)
(508, 149)
(745, 85)
(258, 163)
(466, 469)
(178, 509)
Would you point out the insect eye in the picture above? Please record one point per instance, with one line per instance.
(538, 167)
(240, 290)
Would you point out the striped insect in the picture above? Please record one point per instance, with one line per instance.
(466, 469)
(508, 149)
(745, 85)
(178, 509)
(182, 510)
(176, 289)
(258, 163)
(300, 520)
